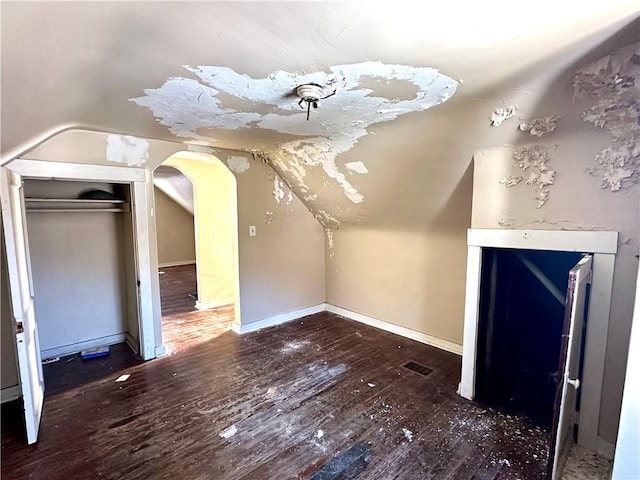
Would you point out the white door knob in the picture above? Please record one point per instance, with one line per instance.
(574, 382)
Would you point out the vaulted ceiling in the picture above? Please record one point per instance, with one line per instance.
(415, 85)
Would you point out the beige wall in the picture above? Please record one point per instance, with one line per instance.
(282, 268)
(215, 218)
(414, 279)
(175, 230)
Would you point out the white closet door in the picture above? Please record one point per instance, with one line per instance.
(566, 398)
(21, 285)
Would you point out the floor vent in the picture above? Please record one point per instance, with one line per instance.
(416, 367)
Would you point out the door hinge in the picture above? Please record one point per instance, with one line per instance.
(19, 327)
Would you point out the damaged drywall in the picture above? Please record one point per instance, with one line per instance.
(533, 162)
(188, 106)
(612, 84)
(281, 191)
(540, 126)
(132, 151)
(330, 241)
(499, 115)
(356, 167)
(238, 164)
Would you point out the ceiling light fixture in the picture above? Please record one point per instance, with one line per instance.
(312, 93)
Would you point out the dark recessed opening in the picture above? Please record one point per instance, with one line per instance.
(520, 330)
(416, 367)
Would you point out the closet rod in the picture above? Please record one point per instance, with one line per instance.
(68, 210)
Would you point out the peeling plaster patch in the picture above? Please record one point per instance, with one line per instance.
(186, 105)
(330, 241)
(535, 159)
(357, 167)
(326, 219)
(268, 217)
(126, 149)
(278, 188)
(540, 126)
(238, 164)
(505, 223)
(322, 152)
(194, 147)
(612, 83)
(499, 115)
(511, 181)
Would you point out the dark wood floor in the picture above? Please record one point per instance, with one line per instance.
(176, 284)
(297, 396)
(182, 324)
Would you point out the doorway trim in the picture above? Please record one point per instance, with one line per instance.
(603, 246)
(135, 178)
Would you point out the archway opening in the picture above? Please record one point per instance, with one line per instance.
(196, 225)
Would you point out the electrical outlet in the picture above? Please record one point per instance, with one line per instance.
(252, 230)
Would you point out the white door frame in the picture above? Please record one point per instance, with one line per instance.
(135, 177)
(603, 246)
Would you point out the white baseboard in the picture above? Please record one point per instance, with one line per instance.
(212, 305)
(78, 347)
(161, 350)
(278, 319)
(398, 330)
(604, 448)
(176, 264)
(10, 393)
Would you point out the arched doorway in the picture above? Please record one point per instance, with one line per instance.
(199, 300)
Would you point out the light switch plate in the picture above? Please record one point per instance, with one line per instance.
(252, 230)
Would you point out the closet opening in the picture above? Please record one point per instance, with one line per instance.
(195, 210)
(82, 255)
(522, 308)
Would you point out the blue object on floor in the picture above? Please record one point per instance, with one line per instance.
(94, 352)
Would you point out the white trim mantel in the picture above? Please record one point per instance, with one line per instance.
(603, 246)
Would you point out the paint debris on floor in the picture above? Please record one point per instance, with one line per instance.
(584, 464)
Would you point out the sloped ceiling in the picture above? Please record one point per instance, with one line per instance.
(415, 85)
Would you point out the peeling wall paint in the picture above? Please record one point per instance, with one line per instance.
(357, 167)
(499, 115)
(126, 149)
(187, 105)
(540, 126)
(278, 189)
(612, 83)
(534, 161)
(511, 181)
(330, 241)
(238, 164)
(326, 219)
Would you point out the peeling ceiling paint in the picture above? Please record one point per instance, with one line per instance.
(187, 106)
(612, 83)
(357, 167)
